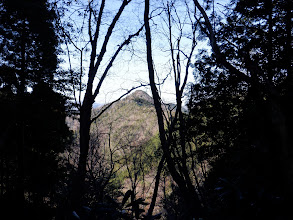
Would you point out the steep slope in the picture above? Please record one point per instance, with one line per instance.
(131, 121)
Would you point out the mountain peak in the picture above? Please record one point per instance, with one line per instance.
(139, 94)
(140, 97)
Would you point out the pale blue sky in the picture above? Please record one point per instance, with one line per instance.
(130, 69)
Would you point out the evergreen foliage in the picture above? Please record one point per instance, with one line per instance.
(33, 129)
(241, 124)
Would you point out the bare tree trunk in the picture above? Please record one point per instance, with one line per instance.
(193, 206)
(85, 123)
(91, 91)
(155, 194)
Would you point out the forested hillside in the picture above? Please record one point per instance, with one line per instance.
(130, 121)
(124, 141)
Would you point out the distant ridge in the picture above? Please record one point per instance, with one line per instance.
(138, 103)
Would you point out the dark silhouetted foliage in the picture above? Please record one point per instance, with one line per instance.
(242, 125)
(33, 129)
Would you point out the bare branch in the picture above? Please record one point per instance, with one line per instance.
(89, 22)
(188, 62)
(105, 43)
(126, 42)
(95, 41)
(99, 20)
